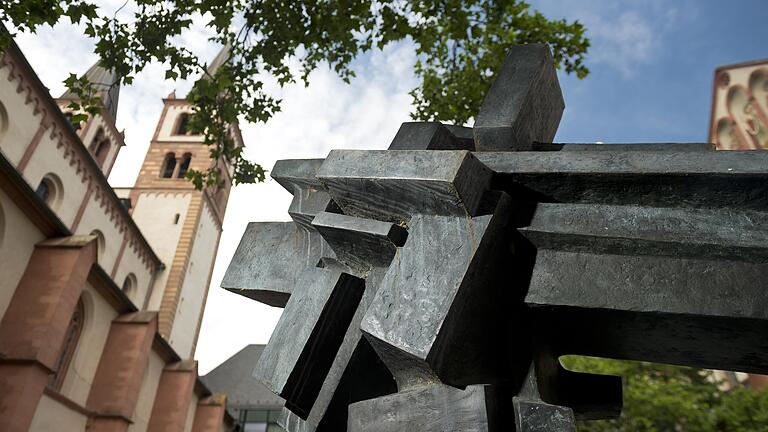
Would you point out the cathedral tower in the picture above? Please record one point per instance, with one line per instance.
(98, 133)
(182, 224)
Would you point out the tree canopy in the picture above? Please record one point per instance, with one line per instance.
(459, 46)
(673, 398)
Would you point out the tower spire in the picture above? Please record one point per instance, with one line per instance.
(106, 84)
(221, 58)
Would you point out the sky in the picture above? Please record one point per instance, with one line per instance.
(652, 63)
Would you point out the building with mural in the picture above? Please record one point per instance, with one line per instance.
(102, 290)
(739, 119)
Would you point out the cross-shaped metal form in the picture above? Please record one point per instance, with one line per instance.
(433, 286)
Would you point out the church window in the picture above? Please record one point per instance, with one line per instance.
(101, 244)
(3, 121)
(185, 161)
(44, 190)
(96, 141)
(2, 225)
(182, 124)
(49, 190)
(101, 152)
(69, 346)
(129, 285)
(99, 147)
(169, 164)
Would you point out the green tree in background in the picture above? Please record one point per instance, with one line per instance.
(459, 45)
(673, 398)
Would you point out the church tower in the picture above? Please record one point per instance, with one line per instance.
(98, 133)
(183, 225)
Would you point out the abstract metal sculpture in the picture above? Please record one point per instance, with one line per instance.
(433, 286)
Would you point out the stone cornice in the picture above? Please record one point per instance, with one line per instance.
(115, 296)
(185, 190)
(742, 64)
(213, 210)
(75, 152)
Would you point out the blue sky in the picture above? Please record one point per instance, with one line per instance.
(652, 65)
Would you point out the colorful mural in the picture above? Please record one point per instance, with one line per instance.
(740, 107)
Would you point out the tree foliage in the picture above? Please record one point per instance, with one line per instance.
(674, 398)
(460, 44)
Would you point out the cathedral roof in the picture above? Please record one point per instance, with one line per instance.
(235, 378)
(106, 83)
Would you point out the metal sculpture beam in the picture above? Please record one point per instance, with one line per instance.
(433, 286)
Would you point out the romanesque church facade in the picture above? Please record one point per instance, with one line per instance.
(102, 290)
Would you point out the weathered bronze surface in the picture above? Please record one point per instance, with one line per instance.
(433, 286)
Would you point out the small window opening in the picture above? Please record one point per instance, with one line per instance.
(44, 190)
(176, 219)
(169, 164)
(49, 190)
(185, 161)
(182, 127)
(3, 120)
(129, 285)
(101, 152)
(96, 142)
(99, 147)
(2, 225)
(101, 245)
(68, 348)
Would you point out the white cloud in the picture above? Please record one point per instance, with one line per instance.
(328, 114)
(57, 52)
(623, 42)
(623, 35)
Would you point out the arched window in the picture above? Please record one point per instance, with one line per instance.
(182, 124)
(129, 285)
(50, 190)
(69, 346)
(185, 161)
(169, 164)
(100, 155)
(97, 139)
(102, 148)
(2, 225)
(99, 146)
(3, 121)
(101, 244)
(44, 190)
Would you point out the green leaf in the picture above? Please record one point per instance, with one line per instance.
(77, 118)
(459, 44)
